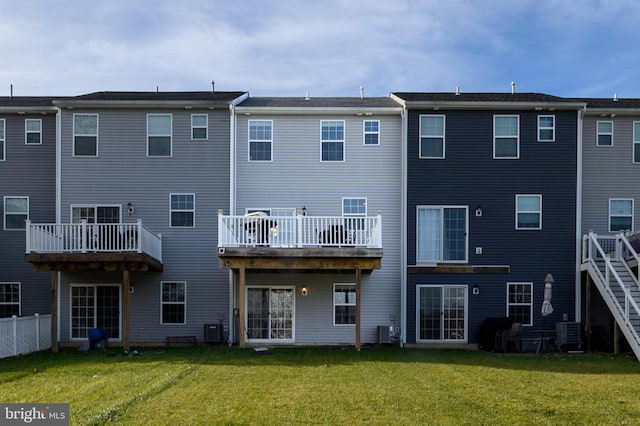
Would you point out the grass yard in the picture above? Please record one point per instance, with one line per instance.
(327, 385)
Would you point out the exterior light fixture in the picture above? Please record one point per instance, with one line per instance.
(130, 208)
(476, 289)
(478, 211)
(304, 211)
(304, 290)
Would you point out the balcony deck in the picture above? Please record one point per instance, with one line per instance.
(257, 242)
(93, 247)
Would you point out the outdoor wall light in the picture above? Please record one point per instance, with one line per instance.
(130, 208)
(304, 291)
(304, 210)
(476, 289)
(478, 211)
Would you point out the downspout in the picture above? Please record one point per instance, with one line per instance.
(58, 208)
(578, 279)
(232, 207)
(403, 229)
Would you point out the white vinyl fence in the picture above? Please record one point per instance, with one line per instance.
(23, 335)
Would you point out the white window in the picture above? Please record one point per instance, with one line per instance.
(506, 136)
(520, 302)
(95, 306)
(636, 141)
(174, 303)
(159, 134)
(85, 135)
(529, 211)
(16, 212)
(371, 132)
(432, 136)
(332, 140)
(605, 133)
(199, 126)
(620, 215)
(260, 140)
(442, 234)
(182, 210)
(344, 304)
(546, 128)
(3, 141)
(33, 131)
(9, 299)
(95, 213)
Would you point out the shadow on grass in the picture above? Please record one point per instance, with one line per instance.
(322, 356)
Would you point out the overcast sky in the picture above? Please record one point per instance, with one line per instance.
(585, 48)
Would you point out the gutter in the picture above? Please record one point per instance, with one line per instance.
(578, 277)
(403, 229)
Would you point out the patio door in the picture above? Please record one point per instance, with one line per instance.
(95, 306)
(270, 313)
(442, 313)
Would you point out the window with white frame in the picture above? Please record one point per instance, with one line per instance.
(96, 213)
(174, 302)
(604, 133)
(33, 131)
(354, 211)
(9, 299)
(442, 234)
(16, 212)
(636, 141)
(260, 140)
(183, 210)
(159, 134)
(432, 136)
(506, 136)
(3, 142)
(332, 140)
(371, 132)
(520, 302)
(546, 128)
(344, 304)
(620, 215)
(529, 211)
(85, 135)
(199, 126)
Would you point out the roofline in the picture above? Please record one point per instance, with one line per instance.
(169, 104)
(319, 110)
(611, 112)
(506, 105)
(28, 109)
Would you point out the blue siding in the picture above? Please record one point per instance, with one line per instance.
(469, 176)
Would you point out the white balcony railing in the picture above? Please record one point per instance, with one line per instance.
(299, 231)
(93, 238)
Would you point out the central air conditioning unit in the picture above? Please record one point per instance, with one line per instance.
(385, 334)
(213, 333)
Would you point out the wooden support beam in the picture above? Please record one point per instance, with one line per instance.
(358, 304)
(125, 308)
(241, 290)
(54, 311)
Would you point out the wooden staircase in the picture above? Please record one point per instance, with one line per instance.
(612, 263)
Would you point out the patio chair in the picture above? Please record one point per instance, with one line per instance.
(512, 335)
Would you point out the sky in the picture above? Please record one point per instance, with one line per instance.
(572, 48)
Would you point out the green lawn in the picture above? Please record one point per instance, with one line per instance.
(328, 385)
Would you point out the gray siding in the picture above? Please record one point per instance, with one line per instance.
(296, 177)
(608, 172)
(123, 173)
(28, 171)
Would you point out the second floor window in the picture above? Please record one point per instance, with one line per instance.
(183, 210)
(506, 136)
(85, 135)
(528, 211)
(441, 234)
(332, 140)
(16, 212)
(432, 136)
(260, 140)
(620, 215)
(33, 131)
(159, 132)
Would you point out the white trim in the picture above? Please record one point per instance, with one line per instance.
(19, 303)
(193, 210)
(539, 227)
(169, 135)
(530, 304)
(343, 141)
(205, 127)
(162, 302)
(517, 136)
(465, 287)
(5, 214)
(333, 302)
(270, 141)
(420, 136)
(552, 128)
(365, 132)
(598, 133)
(609, 215)
(74, 134)
(466, 233)
(95, 286)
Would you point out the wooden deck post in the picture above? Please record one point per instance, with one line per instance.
(125, 308)
(241, 313)
(358, 310)
(54, 311)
